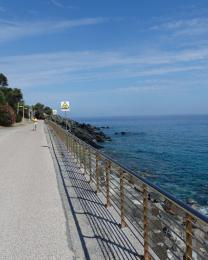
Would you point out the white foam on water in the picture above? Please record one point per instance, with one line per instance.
(204, 210)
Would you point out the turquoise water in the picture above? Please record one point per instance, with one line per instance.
(172, 151)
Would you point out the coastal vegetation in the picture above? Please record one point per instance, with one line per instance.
(3, 80)
(9, 100)
(13, 107)
(41, 111)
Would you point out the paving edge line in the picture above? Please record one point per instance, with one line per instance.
(61, 189)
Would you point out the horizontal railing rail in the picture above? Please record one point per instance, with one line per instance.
(167, 227)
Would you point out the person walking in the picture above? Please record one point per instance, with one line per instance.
(35, 123)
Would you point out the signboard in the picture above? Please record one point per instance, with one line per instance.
(54, 112)
(65, 106)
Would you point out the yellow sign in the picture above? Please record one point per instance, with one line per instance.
(65, 106)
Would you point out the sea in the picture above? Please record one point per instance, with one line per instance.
(170, 151)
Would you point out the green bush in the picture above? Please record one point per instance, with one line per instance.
(7, 115)
(39, 115)
(2, 97)
(18, 118)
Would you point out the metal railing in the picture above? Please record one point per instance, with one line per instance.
(166, 227)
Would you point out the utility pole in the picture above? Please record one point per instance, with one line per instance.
(65, 119)
(23, 113)
(17, 108)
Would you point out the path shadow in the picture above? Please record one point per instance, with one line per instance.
(112, 240)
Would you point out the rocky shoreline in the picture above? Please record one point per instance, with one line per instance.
(90, 134)
(166, 219)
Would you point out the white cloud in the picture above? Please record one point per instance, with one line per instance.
(57, 3)
(67, 67)
(195, 26)
(12, 30)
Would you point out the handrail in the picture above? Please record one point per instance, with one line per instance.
(171, 229)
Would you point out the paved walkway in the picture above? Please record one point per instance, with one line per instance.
(32, 219)
(48, 208)
(94, 229)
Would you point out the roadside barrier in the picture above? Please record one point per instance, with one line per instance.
(166, 227)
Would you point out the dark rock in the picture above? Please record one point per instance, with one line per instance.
(100, 138)
(104, 127)
(120, 133)
(191, 202)
(92, 135)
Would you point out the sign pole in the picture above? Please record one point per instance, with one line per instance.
(65, 106)
(65, 120)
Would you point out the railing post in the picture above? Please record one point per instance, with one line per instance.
(107, 182)
(145, 223)
(71, 143)
(69, 136)
(79, 153)
(82, 154)
(97, 172)
(67, 142)
(122, 199)
(72, 146)
(84, 159)
(76, 150)
(189, 234)
(90, 163)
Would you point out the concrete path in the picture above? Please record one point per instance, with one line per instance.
(48, 209)
(32, 219)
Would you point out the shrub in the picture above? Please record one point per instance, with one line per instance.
(2, 97)
(7, 115)
(39, 115)
(18, 118)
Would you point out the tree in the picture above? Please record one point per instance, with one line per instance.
(7, 115)
(9, 99)
(39, 106)
(12, 96)
(48, 110)
(15, 97)
(3, 80)
(2, 98)
(41, 111)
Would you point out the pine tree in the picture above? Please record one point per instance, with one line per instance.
(3, 80)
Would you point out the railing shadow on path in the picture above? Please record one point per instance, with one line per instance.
(113, 242)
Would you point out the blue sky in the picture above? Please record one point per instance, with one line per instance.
(112, 57)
